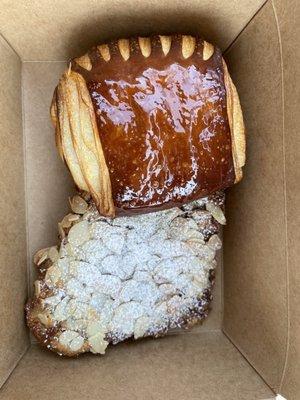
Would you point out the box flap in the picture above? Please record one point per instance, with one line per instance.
(255, 263)
(288, 14)
(13, 259)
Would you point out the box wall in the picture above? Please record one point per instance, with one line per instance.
(48, 180)
(288, 14)
(255, 262)
(274, 329)
(56, 30)
(13, 258)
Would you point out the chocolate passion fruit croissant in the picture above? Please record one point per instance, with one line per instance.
(143, 125)
(149, 123)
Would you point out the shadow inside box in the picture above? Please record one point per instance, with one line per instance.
(142, 21)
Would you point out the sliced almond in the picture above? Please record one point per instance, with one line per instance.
(61, 231)
(79, 233)
(124, 48)
(166, 42)
(68, 220)
(71, 340)
(40, 256)
(215, 242)
(65, 223)
(76, 343)
(61, 312)
(69, 250)
(73, 217)
(141, 326)
(97, 343)
(94, 328)
(45, 319)
(53, 274)
(37, 288)
(145, 46)
(78, 204)
(104, 51)
(208, 50)
(53, 254)
(188, 46)
(216, 212)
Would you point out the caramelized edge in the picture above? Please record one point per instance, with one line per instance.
(236, 124)
(81, 146)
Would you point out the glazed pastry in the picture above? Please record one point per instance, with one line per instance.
(128, 277)
(149, 123)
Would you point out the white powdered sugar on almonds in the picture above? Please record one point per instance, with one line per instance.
(130, 276)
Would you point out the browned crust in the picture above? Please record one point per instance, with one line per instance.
(78, 140)
(236, 123)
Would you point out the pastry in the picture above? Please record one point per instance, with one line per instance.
(149, 123)
(146, 124)
(128, 277)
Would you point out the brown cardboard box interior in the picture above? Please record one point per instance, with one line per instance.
(261, 316)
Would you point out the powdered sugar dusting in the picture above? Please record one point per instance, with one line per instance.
(131, 276)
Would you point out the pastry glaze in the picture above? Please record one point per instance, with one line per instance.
(149, 123)
(162, 121)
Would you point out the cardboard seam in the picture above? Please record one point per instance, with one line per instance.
(245, 27)
(44, 61)
(278, 387)
(9, 45)
(28, 258)
(285, 201)
(16, 363)
(222, 275)
(247, 360)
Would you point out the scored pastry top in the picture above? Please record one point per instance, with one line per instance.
(148, 123)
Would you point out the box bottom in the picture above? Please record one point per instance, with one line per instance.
(190, 366)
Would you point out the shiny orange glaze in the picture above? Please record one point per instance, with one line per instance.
(163, 124)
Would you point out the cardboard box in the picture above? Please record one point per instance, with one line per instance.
(249, 348)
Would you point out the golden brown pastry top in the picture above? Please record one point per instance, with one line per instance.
(163, 119)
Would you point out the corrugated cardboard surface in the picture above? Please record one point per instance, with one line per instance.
(255, 297)
(56, 30)
(288, 13)
(196, 367)
(48, 181)
(14, 337)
